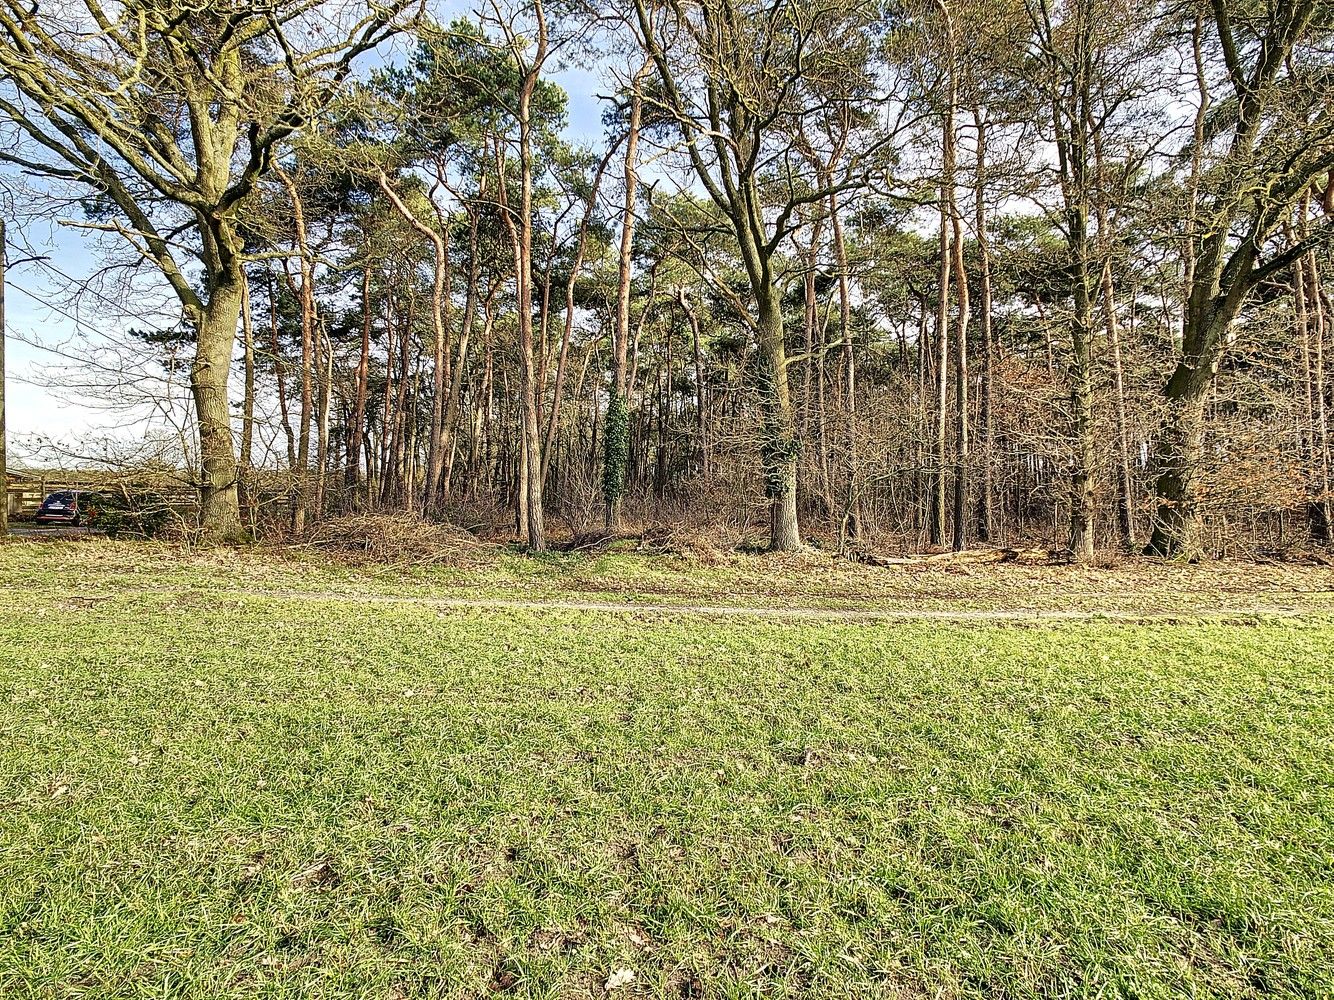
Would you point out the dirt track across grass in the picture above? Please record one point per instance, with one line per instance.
(891, 614)
(809, 586)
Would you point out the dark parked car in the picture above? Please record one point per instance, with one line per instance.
(66, 507)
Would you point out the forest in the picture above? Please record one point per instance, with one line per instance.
(666, 499)
(872, 274)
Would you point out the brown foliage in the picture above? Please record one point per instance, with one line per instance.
(395, 538)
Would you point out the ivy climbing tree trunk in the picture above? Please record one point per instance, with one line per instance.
(616, 435)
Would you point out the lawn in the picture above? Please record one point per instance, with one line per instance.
(214, 786)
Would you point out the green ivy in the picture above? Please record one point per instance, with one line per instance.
(615, 450)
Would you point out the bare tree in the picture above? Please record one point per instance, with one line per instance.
(1255, 158)
(168, 117)
(736, 79)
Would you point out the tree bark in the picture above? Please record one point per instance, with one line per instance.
(247, 485)
(850, 525)
(306, 297)
(355, 479)
(987, 501)
(519, 221)
(615, 439)
(220, 511)
(961, 453)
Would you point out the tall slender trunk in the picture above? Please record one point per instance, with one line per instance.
(280, 371)
(961, 454)
(391, 313)
(923, 478)
(937, 526)
(355, 479)
(440, 305)
(947, 201)
(986, 516)
(306, 298)
(567, 331)
(813, 417)
(519, 221)
(1125, 500)
(452, 405)
(615, 437)
(1317, 316)
(1070, 95)
(1315, 434)
(850, 524)
(322, 409)
(701, 414)
(780, 443)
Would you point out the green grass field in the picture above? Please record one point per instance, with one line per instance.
(211, 787)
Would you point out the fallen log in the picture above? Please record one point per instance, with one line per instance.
(968, 557)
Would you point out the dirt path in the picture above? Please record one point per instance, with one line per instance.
(630, 607)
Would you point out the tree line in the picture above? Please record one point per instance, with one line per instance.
(935, 272)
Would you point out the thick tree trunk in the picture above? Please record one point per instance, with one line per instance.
(219, 506)
(1176, 462)
(780, 445)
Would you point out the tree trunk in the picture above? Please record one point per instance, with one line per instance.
(615, 438)
(1176, 461)
(1317, 321)
(850, 526)
(280, 371)
(1125, 501)
(961, 456)
(306, 297)
(987, 501)
(1125, 506)
(780, 445)
(354, 439)
(322, 416)
(219, 506)
(519, 221)
(937, 536)
(701, 415)
(247, 484)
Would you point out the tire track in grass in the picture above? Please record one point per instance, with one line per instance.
(1239, 615)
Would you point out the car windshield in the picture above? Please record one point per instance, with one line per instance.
(64, 496)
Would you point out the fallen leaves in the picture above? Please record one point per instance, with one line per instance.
(620, 978)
